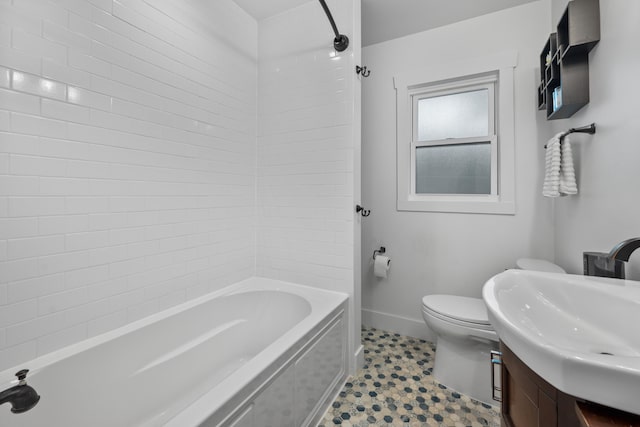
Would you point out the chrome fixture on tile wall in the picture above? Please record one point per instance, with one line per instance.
(362, 211)
(362, 71)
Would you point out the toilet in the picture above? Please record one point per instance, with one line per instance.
(465, 338)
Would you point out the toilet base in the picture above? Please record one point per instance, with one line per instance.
(465, 366)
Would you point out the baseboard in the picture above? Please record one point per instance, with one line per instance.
(397, 324)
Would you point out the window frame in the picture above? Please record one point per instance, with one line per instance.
(457, 76)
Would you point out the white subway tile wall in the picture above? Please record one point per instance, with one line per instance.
(127, 163)
(306, 144)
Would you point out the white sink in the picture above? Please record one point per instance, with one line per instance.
(581, 334)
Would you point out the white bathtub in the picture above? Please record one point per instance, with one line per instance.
(258, 353)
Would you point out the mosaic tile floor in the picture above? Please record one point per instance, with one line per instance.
(395, 388)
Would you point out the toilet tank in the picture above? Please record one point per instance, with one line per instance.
(538, 265)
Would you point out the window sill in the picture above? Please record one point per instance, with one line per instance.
(478, 205)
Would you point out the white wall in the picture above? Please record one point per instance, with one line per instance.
(448, 252)
(607, 210)
(127, 162)
(308, 142)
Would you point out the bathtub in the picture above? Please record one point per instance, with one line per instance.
(258, 353)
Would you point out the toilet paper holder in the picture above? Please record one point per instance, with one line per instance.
(379, 251)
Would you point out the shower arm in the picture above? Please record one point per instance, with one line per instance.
(340, 42)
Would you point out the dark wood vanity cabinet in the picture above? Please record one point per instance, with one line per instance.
(592, 415)
(530, 401)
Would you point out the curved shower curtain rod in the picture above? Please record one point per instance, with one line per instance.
(341, 42)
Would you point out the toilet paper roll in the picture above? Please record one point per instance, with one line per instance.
(381, 266)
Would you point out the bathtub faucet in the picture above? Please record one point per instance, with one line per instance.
(22, 396)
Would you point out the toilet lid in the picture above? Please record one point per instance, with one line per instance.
(465, 309)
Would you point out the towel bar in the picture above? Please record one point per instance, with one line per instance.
(590, 129)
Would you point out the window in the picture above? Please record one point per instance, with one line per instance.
(455, 137)
(454, 144)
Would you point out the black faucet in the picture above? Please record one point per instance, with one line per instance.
(22, 396)
(611, 264)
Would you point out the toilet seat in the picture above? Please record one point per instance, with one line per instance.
(463, 311)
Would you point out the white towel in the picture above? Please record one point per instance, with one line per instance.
(560, 177)
(567, 173)
(551, 186)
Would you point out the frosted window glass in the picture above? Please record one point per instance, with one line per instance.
(454, 169)
(459, 115)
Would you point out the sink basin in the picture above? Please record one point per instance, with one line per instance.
(579, 333)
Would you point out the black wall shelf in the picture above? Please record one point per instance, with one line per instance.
(564, 60)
